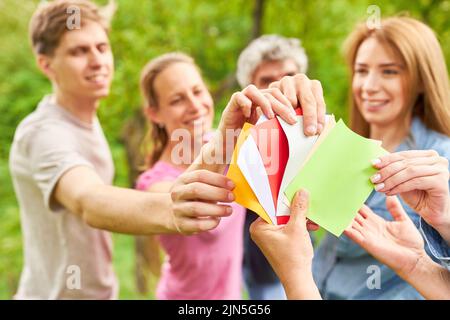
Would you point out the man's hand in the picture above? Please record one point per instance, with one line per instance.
(244, 105)
(307, 94)
(195, 195)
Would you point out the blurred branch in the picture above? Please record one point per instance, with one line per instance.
(258, 13)
(132, 135)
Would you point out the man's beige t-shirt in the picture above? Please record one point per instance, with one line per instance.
(64, 258)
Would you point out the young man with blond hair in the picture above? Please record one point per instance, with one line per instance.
(62, 169)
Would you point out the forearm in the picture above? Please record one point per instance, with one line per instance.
(430, 279)
(127, 211)
(300, 285)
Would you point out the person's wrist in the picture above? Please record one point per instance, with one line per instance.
(441, 225)
(427, 278)
(169, 221)
(437, 219)
(295, 273)
(421, 266)
(300, 285)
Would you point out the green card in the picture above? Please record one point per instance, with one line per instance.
(337, 177)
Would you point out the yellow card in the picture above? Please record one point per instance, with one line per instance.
(243, 193)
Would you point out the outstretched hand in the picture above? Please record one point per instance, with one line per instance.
(195, 196)
(397, 244)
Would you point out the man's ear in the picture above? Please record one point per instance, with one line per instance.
(44, 64)
(152, 114)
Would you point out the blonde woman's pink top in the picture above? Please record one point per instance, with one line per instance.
(203, 266)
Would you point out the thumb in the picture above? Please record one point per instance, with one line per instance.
(395, 208)
(299, 208)
(256, 225)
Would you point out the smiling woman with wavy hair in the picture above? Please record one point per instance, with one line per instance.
(399, 95)
(425, 74)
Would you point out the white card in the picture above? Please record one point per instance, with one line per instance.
(261, 119)
(299, 148)
(252, 167)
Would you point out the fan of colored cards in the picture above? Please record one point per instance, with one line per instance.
(272, 160)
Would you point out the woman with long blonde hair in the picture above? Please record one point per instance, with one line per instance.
(400, 95)
(178, 105)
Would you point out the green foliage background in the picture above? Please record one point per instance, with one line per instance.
(213, 32)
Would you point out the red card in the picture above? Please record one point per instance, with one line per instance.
(274, 150)
(282, 219)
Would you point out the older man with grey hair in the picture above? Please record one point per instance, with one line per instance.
(268, 59)
(265, 60)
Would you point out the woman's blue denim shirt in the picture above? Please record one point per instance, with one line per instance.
(437, 246)
(343, 270)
